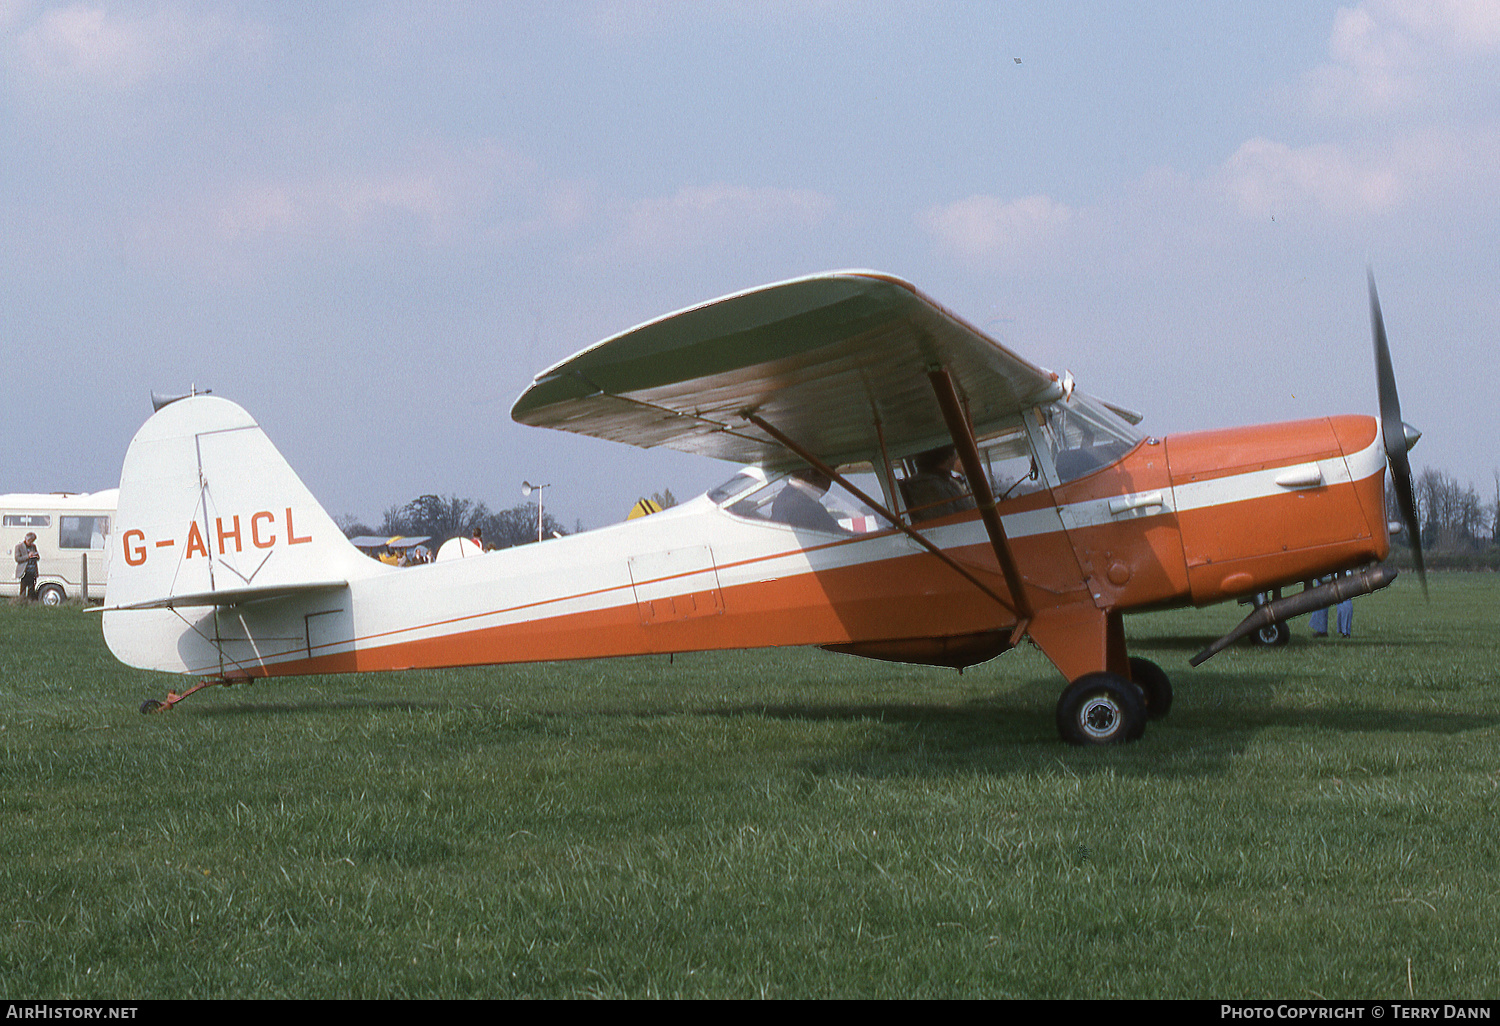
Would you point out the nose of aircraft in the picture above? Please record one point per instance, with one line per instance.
(1411, 434)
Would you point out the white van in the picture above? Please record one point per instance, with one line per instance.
(70, 529)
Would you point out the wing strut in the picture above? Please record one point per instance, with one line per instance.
(979, 483)
(884, 513)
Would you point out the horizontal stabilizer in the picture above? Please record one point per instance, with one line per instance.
(226, 597)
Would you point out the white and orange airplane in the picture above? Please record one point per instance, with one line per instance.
(227, 569)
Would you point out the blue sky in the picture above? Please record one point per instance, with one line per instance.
(371, 224)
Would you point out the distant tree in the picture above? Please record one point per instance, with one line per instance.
(664, 498)
(517, 526)
(1453, 517)
(352, 526)
(435, 517)
(440, 518)
(1495, 513)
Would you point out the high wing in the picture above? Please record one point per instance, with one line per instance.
(837, 361)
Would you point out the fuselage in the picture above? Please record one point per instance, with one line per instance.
(1188, 519)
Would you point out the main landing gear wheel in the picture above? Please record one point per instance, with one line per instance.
(1101, 709)
(1155, 687)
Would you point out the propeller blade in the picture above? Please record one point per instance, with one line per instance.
(1393, 430)
(1401, 482)
(1385, 380)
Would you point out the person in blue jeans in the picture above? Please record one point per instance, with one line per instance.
(1345, 620)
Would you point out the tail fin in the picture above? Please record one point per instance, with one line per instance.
(210, 514)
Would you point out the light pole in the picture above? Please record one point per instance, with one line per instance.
(526, 489)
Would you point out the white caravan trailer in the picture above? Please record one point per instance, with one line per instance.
(71, 530)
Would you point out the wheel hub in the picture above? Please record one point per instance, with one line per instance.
(1100, 717)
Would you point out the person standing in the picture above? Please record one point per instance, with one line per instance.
(26, 565)
(1345, 619)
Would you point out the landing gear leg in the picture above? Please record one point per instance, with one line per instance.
(1112, 695)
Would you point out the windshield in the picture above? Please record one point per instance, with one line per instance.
(1085, 435)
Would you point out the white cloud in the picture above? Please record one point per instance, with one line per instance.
(988, 228)
(1412, 97)
(439, 190)
(1398, 55)
(97, 46)
(1264, 177)
(1423, 171)
(13, 11)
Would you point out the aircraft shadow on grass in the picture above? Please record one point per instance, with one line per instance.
(1012, 733)
(1301, 636)
(1004, 732)
(317, 707)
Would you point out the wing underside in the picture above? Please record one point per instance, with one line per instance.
(838, 361)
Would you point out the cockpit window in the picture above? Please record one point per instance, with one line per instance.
(801, 500)
(1009, 462)
(739, 484)
(1085, 435)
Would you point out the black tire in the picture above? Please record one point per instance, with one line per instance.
(1101, 709)
(1273, 635)
(1156, 687)
(51, 595)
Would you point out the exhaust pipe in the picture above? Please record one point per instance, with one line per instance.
(1321, 597)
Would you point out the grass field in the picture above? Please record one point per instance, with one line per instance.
(1316, 821)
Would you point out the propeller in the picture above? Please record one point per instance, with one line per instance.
(1399, 437)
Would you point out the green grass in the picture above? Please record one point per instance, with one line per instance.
(1315, 821)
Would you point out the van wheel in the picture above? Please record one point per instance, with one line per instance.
(51, 595)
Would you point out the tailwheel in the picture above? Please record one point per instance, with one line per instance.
(1155, 687)
(151, 705)
(1101, 709)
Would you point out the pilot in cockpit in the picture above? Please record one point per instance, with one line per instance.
(936, 489)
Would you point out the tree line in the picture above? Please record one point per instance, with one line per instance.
(439, 518)
(1459, 527)
(1453, 515)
